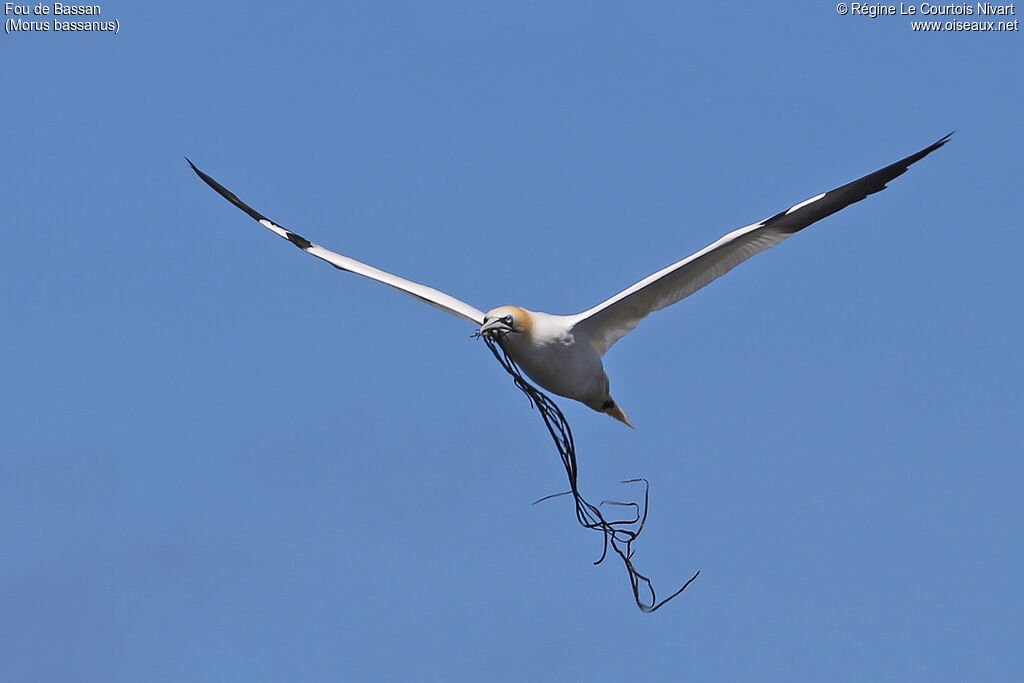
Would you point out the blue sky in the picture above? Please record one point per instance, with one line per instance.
(225, 460)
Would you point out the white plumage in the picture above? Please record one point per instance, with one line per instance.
(562, 353)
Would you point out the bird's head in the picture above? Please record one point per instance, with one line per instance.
(506, 320)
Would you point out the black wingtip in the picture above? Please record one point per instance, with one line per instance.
(795, 219)
(193, 166)
(929, 149)
(226, 193)
(941, 141)
(902, 165)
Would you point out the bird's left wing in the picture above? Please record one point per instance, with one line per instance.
(429, 295)
(610, 320)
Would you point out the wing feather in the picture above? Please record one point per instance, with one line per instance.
(429, 295)
(610, 320)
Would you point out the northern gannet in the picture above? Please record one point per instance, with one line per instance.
(562, 353)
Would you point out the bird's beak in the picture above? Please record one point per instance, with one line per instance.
(494, 328)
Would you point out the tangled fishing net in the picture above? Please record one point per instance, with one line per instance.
(618, 534)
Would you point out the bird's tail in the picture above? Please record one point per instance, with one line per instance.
(615, 411)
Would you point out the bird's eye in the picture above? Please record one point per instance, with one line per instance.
(507, 320)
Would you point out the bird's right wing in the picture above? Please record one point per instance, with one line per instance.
(610, 320)
(429, 295)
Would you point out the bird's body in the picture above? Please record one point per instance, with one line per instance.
(557, 356)
(562, 353)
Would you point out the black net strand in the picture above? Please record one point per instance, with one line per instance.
(618, 534)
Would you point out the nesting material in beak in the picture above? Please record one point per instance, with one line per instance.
(494, 328)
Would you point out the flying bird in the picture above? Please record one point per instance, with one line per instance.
(562, 353)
